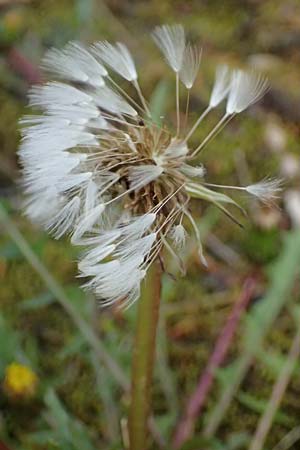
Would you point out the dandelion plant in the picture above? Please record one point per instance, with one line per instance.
(98, 167)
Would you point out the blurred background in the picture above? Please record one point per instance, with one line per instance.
(232, 329)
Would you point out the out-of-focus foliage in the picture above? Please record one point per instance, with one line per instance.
(81, 400)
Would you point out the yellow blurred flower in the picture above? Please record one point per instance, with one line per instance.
(20, 381)
(13, 20)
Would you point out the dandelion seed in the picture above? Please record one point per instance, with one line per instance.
(75, 63)
(193, 171)
(245, 89)
(265, 190)
(112, 102)
(178, 236)
(117, 57)
(98, 168)
(142, 175)
(190, 65)
(221, 86)
(171, 41)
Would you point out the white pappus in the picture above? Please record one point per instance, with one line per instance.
(97, 167)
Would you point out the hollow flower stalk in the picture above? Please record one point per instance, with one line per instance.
(98, 167)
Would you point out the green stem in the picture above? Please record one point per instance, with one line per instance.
(143, 358)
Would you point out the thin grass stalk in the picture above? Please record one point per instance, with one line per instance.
(277, 394)
(143, 359)
(288, 440)
(197, 400)
(217, 415)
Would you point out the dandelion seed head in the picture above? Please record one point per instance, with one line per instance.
(98, 168)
